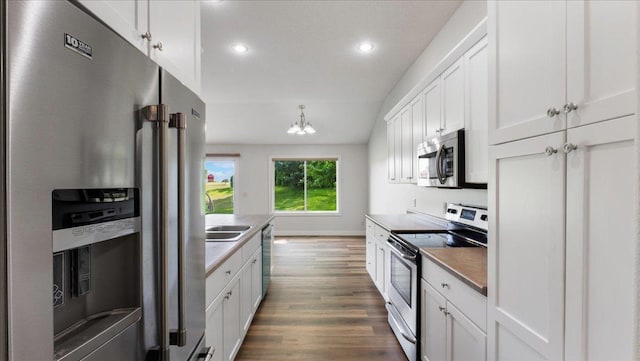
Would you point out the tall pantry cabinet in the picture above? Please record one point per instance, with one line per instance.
(562, 180)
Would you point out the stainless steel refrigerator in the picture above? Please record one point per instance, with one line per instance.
(102, 220)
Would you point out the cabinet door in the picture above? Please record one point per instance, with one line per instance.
(129, 18)
(432, 109)
(406, 127)
(397, 145)
(176, 24)
(453, 97)
(380, 274)
(417, 117)
(256, 280)
(526, 68)
(601, 241)
(246, 300)
(476, 113)
(391, 149)
(433, 324)
(465, 341)
(526, 257)
(231, 320)
(215, 328)
(370, 255)
(601, 59)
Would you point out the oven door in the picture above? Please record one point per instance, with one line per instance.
(403, 286)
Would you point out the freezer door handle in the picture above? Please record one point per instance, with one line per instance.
(179, 337)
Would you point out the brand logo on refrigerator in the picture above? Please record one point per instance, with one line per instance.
(77, 45)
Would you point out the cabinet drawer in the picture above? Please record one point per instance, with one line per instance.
(380, 233)
(221, 276)
(250, 247)
(467, 300)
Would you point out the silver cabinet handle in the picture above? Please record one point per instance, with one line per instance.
(569, 147)
(444, 285)
(570, 107)
(441, 308)
(177, 121)
(439, 130)
(146, 36)
(552, 112)
(447, 313)
(230, 293)
(228, 272)
(254, 261)
(158, 46)
(550, 151)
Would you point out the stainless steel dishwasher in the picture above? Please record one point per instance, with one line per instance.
(267, 241)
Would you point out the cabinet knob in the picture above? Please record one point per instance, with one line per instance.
(441, 308)
(550, 151)
(570, 107)
(444, 285)
(146, 36)
(254, 261)
(439, 130)
(447, 313)
(158, 46)
(552, 112)
(569, 147)
(228, 272)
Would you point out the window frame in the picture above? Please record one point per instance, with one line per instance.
(304, 213)
(236, 164)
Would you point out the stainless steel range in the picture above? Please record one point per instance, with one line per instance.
(467, 227)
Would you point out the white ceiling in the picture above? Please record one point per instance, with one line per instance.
(304, 52)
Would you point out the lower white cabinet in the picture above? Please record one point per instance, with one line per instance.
(370, 250)
(377, 256)
(381, 254)
(229, 315)
(446, 332)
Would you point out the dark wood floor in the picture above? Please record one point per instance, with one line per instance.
(321, 306)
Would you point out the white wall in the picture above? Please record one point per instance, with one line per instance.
(252, 184)
(397, 198)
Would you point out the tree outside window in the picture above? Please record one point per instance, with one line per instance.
(305, 185)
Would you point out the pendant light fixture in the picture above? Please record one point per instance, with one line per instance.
(301, 127)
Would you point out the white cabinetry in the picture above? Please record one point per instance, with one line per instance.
(453, 80)
(404, 133)
(391, 149)
(173, 26)
(552, 65)
(432, 109)
(527, 261)
(476, 113)
(233, 294)
(370, 255)
(377, 256)
(453, 319)
(406, 140)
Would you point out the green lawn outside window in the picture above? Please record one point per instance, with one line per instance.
(293, 179)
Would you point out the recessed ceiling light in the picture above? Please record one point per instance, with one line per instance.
(239, 48)
(366, 47)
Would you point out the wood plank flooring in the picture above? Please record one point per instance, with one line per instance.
(321, 305)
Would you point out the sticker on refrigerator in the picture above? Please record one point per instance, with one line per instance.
(77, 45)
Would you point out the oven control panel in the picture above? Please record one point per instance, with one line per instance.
(474, 216)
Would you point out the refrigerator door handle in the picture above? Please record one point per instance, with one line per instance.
(179, 337)
(159, 114)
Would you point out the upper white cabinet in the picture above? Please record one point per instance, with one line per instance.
(453, 104)
(432, 109)
(175, 26)
(391, 149)
(168, 31)
(553, 62)
(408, 150)
(476, 113)
(417, 117)
(129, 18)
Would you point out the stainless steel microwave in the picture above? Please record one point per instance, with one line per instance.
(441, 161)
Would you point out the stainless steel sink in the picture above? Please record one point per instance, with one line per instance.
(223, 236)
(228, 228)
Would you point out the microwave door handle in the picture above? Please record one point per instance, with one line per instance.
(179, 337)
(439, 171)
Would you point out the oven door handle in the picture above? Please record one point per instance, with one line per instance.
(405, 256)
(439, 172)
(394, 315)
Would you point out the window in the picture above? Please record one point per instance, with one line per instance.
(219, 186)
(305, 185)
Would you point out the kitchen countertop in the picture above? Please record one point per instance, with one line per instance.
(468, 264)
(409, 223)
(218, 252)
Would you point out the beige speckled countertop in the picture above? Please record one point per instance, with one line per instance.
(218, 252)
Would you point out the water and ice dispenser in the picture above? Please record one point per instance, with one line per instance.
(96, 268)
